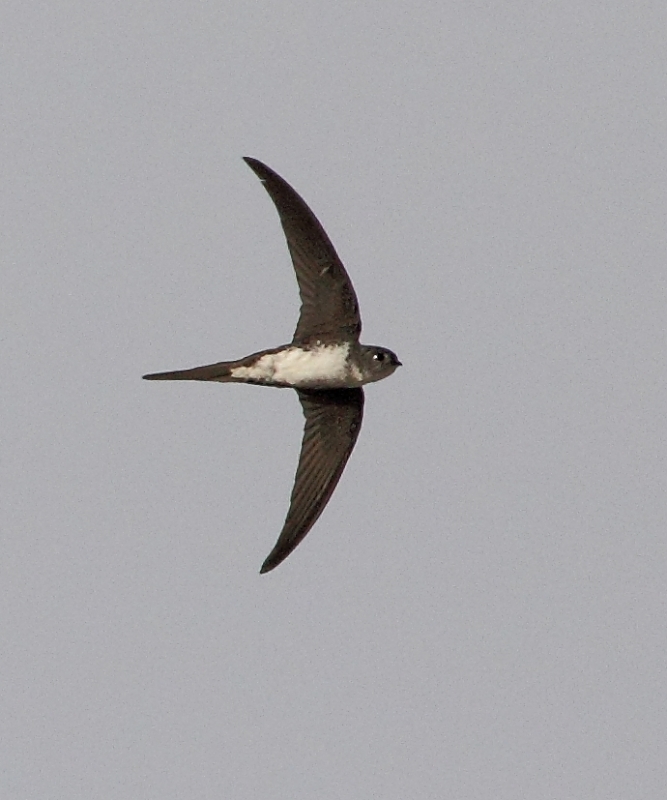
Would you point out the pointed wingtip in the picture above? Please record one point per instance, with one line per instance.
(275, 557)
(260, 169)
(269, 564)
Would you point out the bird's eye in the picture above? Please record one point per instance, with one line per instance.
(379, 357)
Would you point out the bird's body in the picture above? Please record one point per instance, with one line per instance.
(325, 363)
(317, 367)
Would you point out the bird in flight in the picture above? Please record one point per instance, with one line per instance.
(324, 362)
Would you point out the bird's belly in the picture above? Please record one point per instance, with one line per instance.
(323, 367)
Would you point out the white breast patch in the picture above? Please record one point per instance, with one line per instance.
(319, 367)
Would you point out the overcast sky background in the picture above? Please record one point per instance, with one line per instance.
(480, 612)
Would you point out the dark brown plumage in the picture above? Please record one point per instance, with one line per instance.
(333, 422)
(329, 324)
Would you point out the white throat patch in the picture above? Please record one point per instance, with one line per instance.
(323, 366)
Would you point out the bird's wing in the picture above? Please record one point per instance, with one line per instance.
(329, 305)
(333, 421)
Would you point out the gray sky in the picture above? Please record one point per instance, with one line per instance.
(480, 611)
